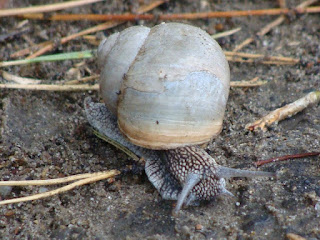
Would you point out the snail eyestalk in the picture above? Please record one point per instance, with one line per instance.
(192, 180)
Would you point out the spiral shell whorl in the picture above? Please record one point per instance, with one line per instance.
(115, 55)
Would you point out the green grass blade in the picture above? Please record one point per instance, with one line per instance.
(51, 58)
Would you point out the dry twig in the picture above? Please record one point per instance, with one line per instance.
(30, 81)
(225, 33)
(284, 112)
(171, 17)
(81, 80)
(48, 182)
(251, 83)
(51, 87)
(287, 157)
(18, 79)
(45, 8)
(97, 177)
(250, 58)
(28, 50)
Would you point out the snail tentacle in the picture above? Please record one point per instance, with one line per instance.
(227, 193)
(192, 200)
(192, 180)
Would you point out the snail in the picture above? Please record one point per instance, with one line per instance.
(165, 91)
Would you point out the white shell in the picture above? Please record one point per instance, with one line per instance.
(115, 55)
(168, 85)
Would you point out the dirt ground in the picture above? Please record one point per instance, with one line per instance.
(45, 135)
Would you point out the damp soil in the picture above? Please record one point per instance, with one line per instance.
(45, 134)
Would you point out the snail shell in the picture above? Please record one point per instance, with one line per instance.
(168, 85)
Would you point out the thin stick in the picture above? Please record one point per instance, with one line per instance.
(287, 157)
(271, 25)
(81, 80)
(30, 81)
(226, 33)
(48, 87)
(97, 28)
(250, 56)
(241, 60)
(28, 50)
(170, 17)
(69, 187)
(45, 8)
(50, 181)
(18, 79)
(307, 3)
(251, 83)
(284, 112)
(149, 7)
(253, 55)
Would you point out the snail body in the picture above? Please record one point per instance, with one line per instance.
(165, 90)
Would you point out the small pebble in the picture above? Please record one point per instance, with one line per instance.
(185, 230)
(43, 190)
(9, 213)
(292, 236)
(317, 208)
(73, 73)
(199, 227)
(219, 27)
(17, 230)
(115, 187)
(5, 191)
(155, 237)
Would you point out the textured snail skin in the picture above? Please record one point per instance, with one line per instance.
(187, 174)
